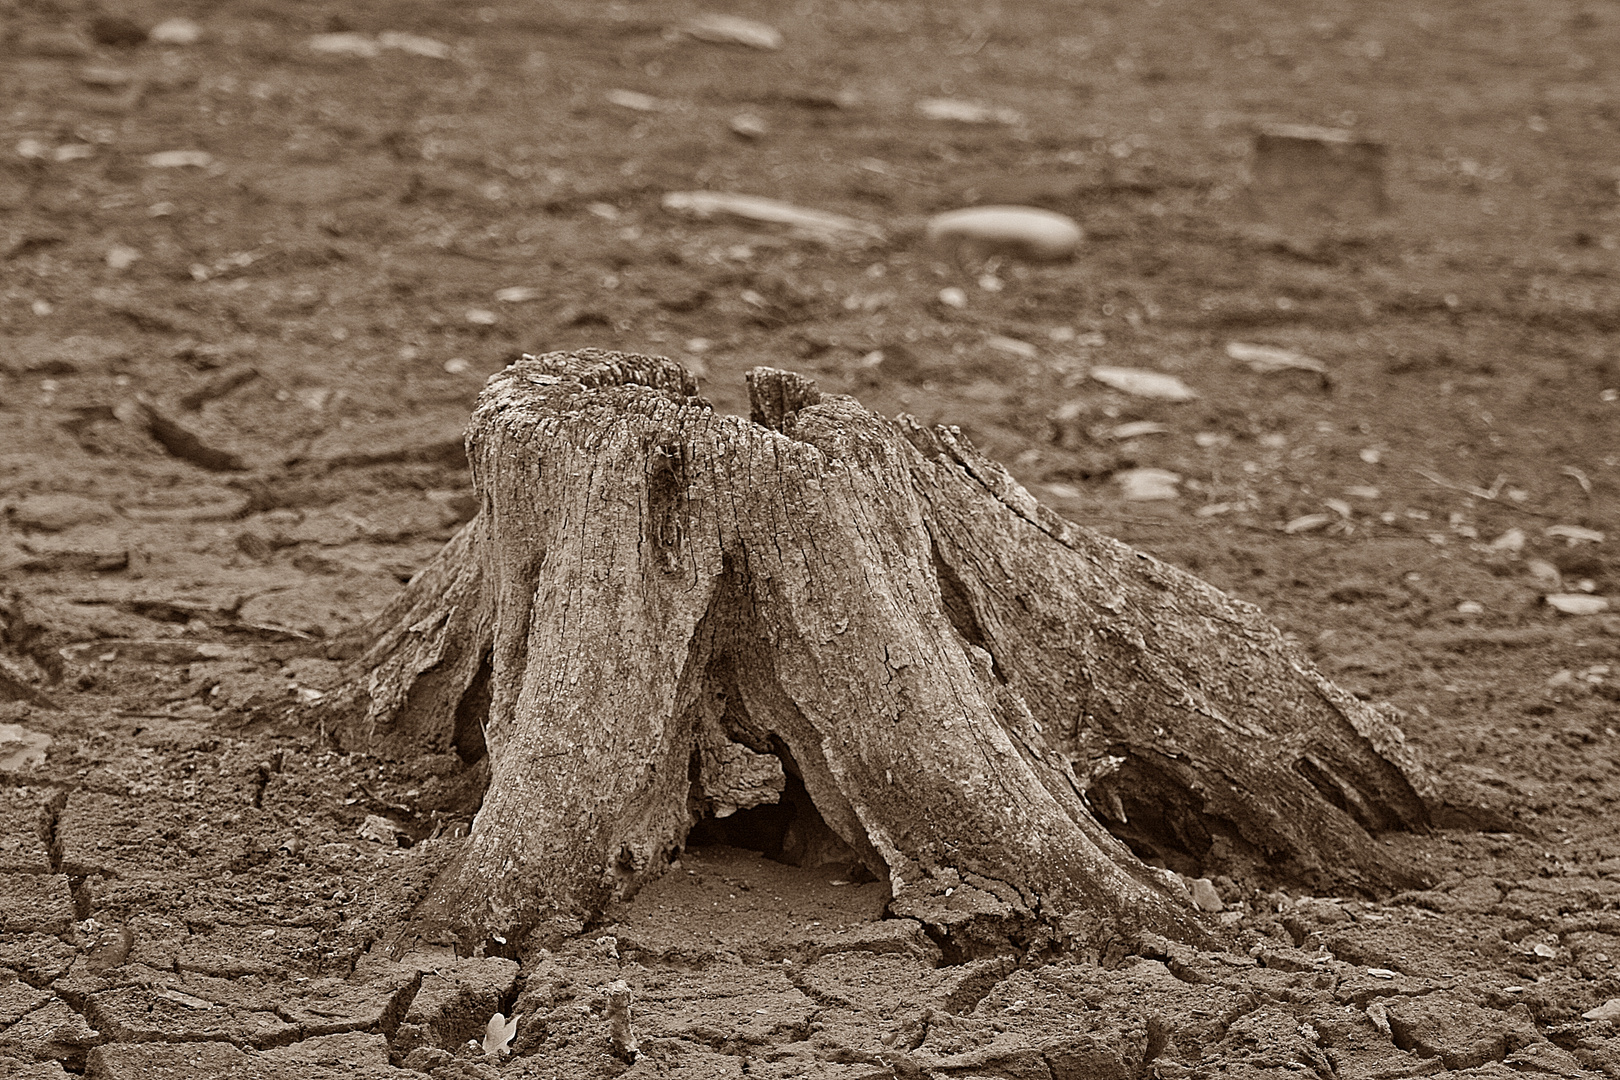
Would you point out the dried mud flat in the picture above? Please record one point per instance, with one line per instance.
(250, 284)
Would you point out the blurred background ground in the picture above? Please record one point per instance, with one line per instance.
(256, 263)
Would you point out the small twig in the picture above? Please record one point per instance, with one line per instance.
(1468, 489)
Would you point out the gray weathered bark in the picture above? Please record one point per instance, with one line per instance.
(662, 613)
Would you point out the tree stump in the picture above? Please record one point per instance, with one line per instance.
(663, 616)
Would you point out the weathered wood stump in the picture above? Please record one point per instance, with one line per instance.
(662, 614)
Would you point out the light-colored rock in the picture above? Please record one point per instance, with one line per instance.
(1266, 359)
(1577, 603)
(414, 44)
(967, 112)
(1019, 230)
(180, 159)
(749, 126)
(1147, 484)
(1139, 382)
(1204, 895)
(361, 46)
(176, 31)
(708, 204)
(1609, 1010)
(724, 29)
(635, 101)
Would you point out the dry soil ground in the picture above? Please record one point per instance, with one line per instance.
(232, 383)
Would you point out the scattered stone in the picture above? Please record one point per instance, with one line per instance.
(180, 159)
(121, 257)
(1135, 429)
(1266, 359)
(723, 29)
(414, 44)
(1148, 484)
(21, 749)
(748, 126)
(967, 112)
(58, 513)
(951, 296)
(1204, 896)
(636, 102)
(1027, 231)
(176, 31)
(1577, 603)
(517, 294)
(1574, 534)
(1544, 574)
(1609, 1011)
(346, 43)
(1300, 173)
(816, 223)
(1308, 523)
(1140, 382)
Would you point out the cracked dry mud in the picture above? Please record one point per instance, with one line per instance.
(231, 398)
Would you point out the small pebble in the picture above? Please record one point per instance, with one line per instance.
(1577, 603)
(733, 30)
(1148, 485)
(1019, 230)
(967, 112)
(176, 31)
(1204, 895)
(749, 126)
(1139, 382)
(951, 296)
(180, 159)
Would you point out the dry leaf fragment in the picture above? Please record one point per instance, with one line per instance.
(499, 1032)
